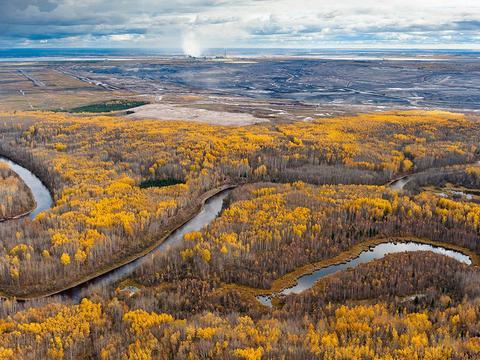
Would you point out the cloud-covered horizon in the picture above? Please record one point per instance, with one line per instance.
(200, 24)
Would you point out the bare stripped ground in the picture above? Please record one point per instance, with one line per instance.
(172, 112)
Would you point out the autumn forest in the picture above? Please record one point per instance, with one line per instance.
(293, 198)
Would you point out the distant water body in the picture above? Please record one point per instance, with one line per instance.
(19, 55)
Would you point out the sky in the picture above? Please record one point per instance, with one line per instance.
(195, 25)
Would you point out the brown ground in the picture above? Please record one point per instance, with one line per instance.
(172, 112)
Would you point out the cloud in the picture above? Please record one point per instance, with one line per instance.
(240, 23)
(126, 37)
(21, 5)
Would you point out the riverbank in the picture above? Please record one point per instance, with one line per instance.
(187, 214)
(177, 224)
(290, 279)
(16, 197)
(41, 194)
(19, 216)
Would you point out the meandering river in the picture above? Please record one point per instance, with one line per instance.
(399, 184)
(44, 201)
(41, 195)
(208, 213)
(376, 252)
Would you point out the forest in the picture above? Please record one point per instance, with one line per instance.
(306, 192)
(270, 230)
(350, 315)
(94, 166)
(15, 197)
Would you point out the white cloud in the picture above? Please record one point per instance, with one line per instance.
(230, 23)
(126, 37)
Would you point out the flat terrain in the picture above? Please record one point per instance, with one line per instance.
(40, 86)
(446, 83)
(333, 214)
(275, 88)
(173, 112)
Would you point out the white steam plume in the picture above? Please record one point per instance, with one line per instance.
(191, 45)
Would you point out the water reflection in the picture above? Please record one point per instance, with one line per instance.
(377, 252)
